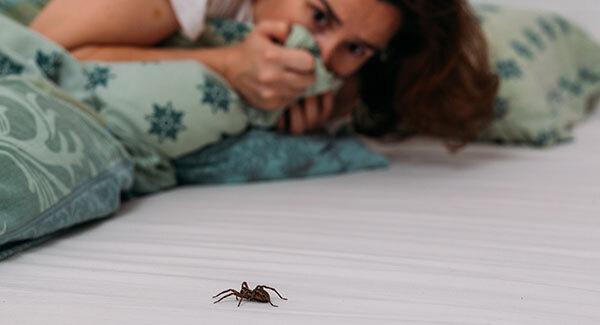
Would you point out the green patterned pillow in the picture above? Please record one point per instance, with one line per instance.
(58, 166)
(549, 70)
(180, 107)
(26, 53)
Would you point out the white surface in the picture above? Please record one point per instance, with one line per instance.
(492, 236)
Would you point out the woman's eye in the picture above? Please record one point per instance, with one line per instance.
(320, 17)
(357, 49)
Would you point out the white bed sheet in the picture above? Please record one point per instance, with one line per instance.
(492, 236)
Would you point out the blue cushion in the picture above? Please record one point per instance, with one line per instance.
(260, 155)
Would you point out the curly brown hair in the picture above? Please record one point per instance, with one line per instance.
(437, 79)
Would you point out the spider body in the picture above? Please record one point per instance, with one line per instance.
(259, 294)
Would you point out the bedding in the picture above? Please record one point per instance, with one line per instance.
(181, 107)
(176, 107)
(259, 155)
(58, 166)
(27, 54)
(89, 182)
(550, 75)
(548, 66)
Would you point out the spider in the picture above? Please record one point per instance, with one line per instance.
(259, 294)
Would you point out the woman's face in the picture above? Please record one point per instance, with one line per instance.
(349, 32)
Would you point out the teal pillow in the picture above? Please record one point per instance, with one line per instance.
(260, 155)
(549, 70)
(58, 166)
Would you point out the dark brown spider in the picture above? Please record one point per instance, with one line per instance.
(259, 294)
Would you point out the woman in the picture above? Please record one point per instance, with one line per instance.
(422, 64)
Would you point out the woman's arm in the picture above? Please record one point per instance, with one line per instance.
(266, 74)
(76, 23)
(119, 30)
(218, 59)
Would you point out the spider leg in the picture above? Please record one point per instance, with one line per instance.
(228, 290)
(249, 299)
(275, 292)
(225, 296)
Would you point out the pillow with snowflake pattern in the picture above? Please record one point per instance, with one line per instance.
(180, 107)
(549, 70)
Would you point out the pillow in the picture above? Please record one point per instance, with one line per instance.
(58, 166)
(259, 155)
(26, 53)
(550, 73)
(180, 107)
(128, 96)
(62, 164)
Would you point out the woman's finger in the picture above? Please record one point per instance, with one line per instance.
(297, 124)
(327, 106)
(284, 121)
(281, 126)
(298, 82)
(311, 113)
(297, 60)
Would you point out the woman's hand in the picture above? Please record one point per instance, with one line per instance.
(310, 114)
(266, 74)
(314, 113)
